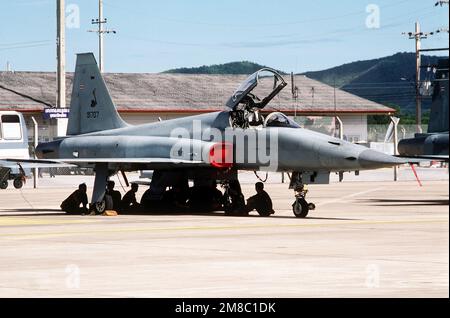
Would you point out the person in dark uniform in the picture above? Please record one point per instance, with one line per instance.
(129, 202)
(234, 200)
(175, 199)
(260, 202)
(216, 197)
(71, 205)
(206, 198)
(115, 196)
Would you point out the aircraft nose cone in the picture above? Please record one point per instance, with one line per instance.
(372, 159)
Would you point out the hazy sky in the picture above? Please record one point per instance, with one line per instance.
(153, 36)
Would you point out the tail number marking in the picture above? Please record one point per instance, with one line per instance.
(92, 115)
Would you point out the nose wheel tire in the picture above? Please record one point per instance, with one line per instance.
(18, 183)
(300, 208)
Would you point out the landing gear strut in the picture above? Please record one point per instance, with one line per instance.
(300, 207)
(102, 174)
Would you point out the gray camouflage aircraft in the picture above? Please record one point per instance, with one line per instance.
(204, 148)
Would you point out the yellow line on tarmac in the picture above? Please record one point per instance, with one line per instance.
(205, 228)
(11, 221)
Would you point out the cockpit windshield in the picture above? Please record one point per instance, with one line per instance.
(245, 88)
(257, 90)
(280, 120)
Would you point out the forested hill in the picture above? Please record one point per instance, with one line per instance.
(387, 80)
(234, 68)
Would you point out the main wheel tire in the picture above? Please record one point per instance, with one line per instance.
(100, 207)
(18, 183)
(300, 208)
(4, 185)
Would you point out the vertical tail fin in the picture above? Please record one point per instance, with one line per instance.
(91, 107)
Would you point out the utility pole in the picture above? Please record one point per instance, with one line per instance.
(336, 117)
(100, 22)
(61, 61)
(100, 31)
(395, 121)
(35, 144)
(418, 36)
(61, 54)
(294, 94)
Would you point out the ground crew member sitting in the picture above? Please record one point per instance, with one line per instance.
(176, 198)
(129, 202)
(260, 202)
(71, 205)
(115, 197)
(206, 198)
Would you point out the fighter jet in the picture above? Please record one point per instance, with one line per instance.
(204, 148)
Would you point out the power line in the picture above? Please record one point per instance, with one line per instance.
(25, 96)
(356, 30)
(24, 43)
(23, 46)
(258, 25)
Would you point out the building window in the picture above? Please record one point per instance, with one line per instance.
(11, 128)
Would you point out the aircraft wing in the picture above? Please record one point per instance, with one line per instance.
(31, 164)
(74, 162)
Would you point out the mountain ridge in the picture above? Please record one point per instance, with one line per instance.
(232, 68)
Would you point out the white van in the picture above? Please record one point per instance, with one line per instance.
(13, 144)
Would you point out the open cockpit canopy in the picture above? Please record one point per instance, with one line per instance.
(257, 90)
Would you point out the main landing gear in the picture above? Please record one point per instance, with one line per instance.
(99, 207)
(300, 207)
(102, 174)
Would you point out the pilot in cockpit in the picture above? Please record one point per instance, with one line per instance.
(255, 119)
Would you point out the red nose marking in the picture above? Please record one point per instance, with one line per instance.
(221, 155)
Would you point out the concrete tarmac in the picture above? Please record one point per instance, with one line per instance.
(366, 239)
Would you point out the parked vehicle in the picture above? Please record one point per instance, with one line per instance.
(13, 144)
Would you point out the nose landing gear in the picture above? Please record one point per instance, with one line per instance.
(300, 207)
